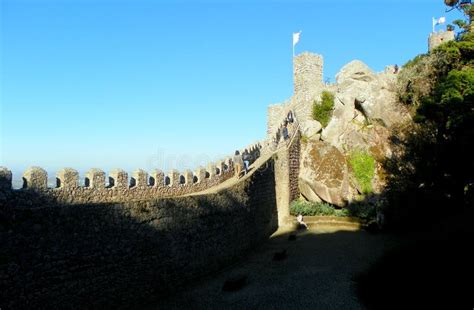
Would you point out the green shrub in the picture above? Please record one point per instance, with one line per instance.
(361, 210)
(322, 111)
(343, 212)
(311, 208)
(357, 209)
(363, 166)
(415, 61)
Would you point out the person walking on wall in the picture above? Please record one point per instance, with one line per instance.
(246, 158)
(238, 163)
(289, 117)
(284, 131)
(278, 136)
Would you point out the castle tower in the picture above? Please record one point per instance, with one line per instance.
(307, 73)
(438, 38)
(308, 84)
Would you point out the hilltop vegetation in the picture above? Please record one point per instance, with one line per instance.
(431, 174)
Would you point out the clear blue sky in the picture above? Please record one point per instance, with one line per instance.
(97, 83)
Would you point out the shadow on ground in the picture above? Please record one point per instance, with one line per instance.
(430, 270)
(315, 272)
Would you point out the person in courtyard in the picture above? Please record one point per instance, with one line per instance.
(238, 163)
(301, 223)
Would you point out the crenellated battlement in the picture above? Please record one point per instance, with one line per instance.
(114, 231)
(118, 186)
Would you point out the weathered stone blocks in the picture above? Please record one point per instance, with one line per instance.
(118, 179)
(95, 178)
(211, 168)
(308, 72)
(220, 165)
(67, 178)
(35, 178)
(157, 178)
(188, 177)
(139, 179)
(201, 174)
(174, 176)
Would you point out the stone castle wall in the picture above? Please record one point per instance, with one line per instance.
(275, 115)
(437, 38)
(294, 152)
(118, 187)
(118, 241)
(109, 255)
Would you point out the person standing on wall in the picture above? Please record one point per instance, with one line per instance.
(238, 163)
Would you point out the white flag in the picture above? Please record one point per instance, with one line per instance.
(439, 21)
(296, 37)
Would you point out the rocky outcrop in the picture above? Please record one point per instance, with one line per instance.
(323, 173)
(366, 109)
(355, 70)
(362, 98)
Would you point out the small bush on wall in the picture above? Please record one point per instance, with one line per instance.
(322, 111)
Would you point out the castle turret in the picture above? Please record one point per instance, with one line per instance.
(440, 37)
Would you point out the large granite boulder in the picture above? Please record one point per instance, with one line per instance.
(323, 173)
(343, 114)
(310, 128)
(362, 98)
(355, 70)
